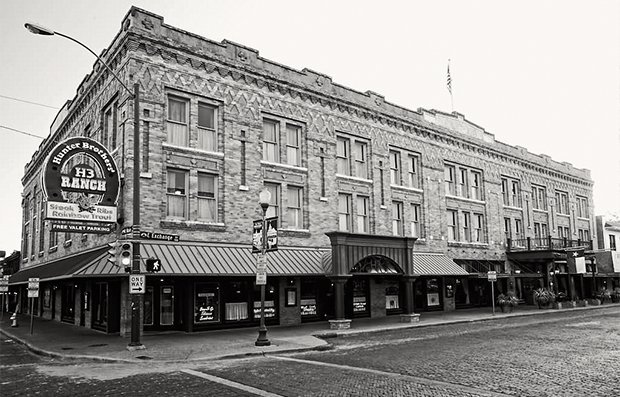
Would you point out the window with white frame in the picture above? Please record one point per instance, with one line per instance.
(518, 229)
(293, 145)
(563, 232)
(343, 153)
(53, 239)
(511, 191)
(466, 227)
(561, 202)
(275, 202)
(415, 221)
(362, 216)
(207, 197)
(294, 213)
(110, 127)
(271, 141)
(344, 212)
(207, 127)
(397, 218)
(539, 197)
(452, 216)
(508, 228)
(612, 242)
(478, 236)
(582, 207)
(449, 179)
(463, 189)
(361, 159)
(176, 194)
(584, 234)
(395, 167)
(177, 126)
(476, 185)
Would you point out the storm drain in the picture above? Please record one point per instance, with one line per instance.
(144, 358)
(66, 348)
(98, 345)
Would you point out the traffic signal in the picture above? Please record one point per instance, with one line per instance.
(113, 252)
(126, 255)
(153, 265)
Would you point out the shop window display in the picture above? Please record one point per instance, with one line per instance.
(206, 303)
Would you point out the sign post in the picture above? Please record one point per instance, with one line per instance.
(4, 288)
(492, 276)
(33, 292)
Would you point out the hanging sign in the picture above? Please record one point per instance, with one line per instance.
(272, 235)
(81, 182)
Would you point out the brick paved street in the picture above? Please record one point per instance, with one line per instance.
(559, 354)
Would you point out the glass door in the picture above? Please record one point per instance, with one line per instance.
(100, 306)
(149, 304)
(166, 305)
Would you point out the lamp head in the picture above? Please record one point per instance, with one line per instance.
(38, 29)
(264, 198)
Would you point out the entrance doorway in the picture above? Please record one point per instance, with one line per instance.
(159, 307)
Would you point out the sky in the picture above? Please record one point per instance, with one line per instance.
(544, 75)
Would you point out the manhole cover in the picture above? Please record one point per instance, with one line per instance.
(144, 358)
(98, 345)
(66, 348)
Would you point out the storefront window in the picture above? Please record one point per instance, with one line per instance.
(236, 298)
(360, 300)
(206, 303)
(148, 306)
(166, 305)
(432, 292)
(307, 302)
(270, 301)
(391, 298)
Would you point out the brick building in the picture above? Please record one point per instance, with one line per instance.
(382, 210)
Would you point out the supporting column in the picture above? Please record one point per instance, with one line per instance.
(409, 316)
(340, 322)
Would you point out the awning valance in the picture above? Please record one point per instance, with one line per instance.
(436, 264)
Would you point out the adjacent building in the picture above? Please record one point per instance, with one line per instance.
(381, 210)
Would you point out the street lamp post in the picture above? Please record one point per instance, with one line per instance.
(264, 198)
(136, 299)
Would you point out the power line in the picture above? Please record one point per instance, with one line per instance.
(24, 101)
(22, 132)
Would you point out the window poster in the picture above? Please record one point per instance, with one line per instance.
(359, 304)
(207, 303)
(308, 307)
(270, 309)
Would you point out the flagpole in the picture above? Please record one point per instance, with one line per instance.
(449, 84)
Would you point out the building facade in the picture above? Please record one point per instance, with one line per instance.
(381, 210)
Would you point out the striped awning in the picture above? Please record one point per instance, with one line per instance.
(436, 264)
(216, 260)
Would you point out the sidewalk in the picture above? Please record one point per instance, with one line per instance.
(58, 339)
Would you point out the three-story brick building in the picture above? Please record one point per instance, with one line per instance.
(382, 210)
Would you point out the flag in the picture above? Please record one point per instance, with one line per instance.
(449, 79)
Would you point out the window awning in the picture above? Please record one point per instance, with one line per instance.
(436, 264)
(58, 269)
(216, 260)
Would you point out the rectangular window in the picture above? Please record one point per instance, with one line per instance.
(544, 230)
(395, 168)
(415, 221)
(361, 163)
(176, 192)
(449, 178)
(561, 202)
(452, 223)
(344, 212)
(466, 227)
(515, 194)
(207, 131)
(206, 303)
(363, 224)
(293, 145)
(41, 224)
(518, 229)
(505, 195)
(397, 218)
(207, 197)
(507, 228)
(275, 202)
(413, 174)
(464, 183)
(539, 197)
(53, 239)
(109, 127)
(612, 242)
(294, 213)
(271, 141)
(343, 151)
(537, 231)
(177, 122)
(582, 207)
(478, 236)
(476, 185)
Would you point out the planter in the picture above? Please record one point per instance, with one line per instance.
(582, 303)
(594, 302)
(506, 308)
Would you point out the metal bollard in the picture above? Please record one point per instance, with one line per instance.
(14, 320)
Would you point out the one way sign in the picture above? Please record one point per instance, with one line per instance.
(153, 265)
(136, 283)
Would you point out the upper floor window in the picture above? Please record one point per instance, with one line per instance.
(53, 239)
(294, 213)
(348, 163)
(452, 225)
(293, 145)
(478, 235)
(476, 185)
(415, 221)
(563, 232)
(561, 202)
(207, 127)
(394, 167)
(612, 242)
(507, 228)
(466, 227)
(449, 178)
(582, 207)
(344, 212)
(463, 181)
(584, 234)
(110, 130)
(176, 193)
(207, 197)
(397, 218)
(275, 202)
(177, 122)
(363, 223)
(539, 197)
(511, 192)
(271, 141)
(404, 168)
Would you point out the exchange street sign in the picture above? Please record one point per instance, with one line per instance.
(136, 283)
(159, 236)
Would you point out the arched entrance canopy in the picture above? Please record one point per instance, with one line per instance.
(376, 264)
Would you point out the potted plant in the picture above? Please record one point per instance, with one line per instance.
(561, 300)
(543, 297)
(603, 294)
(507, 302)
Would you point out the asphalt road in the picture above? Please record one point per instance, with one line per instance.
(560, 354)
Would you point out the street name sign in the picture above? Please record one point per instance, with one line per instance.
(137, 283)
(492, 276)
